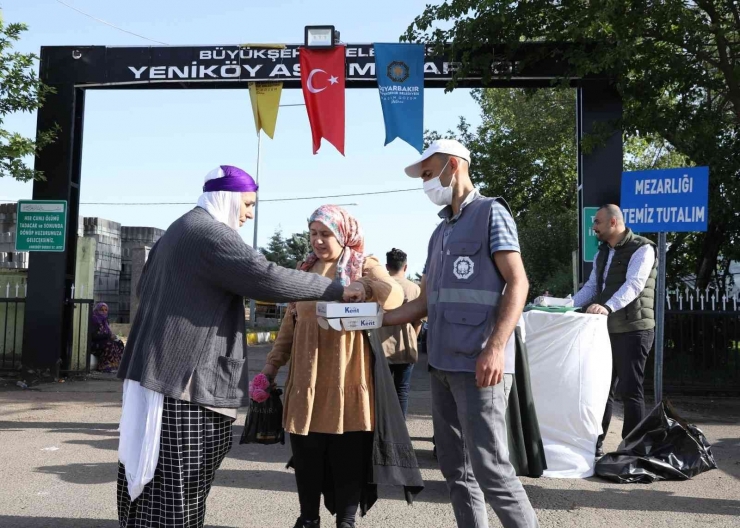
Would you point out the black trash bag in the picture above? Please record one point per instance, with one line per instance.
(264, 423)
(662, 447)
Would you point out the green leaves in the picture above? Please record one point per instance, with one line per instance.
(20, 91)
(525, 151)
(676, 65)
(287, 252)
(548, 237)
(525, 148)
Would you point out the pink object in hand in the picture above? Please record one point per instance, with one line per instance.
(261, 382)
(258, 388)
(260, 396)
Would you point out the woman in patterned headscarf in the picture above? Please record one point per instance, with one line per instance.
(329, 406)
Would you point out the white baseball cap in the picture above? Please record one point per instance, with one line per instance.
(441, 146)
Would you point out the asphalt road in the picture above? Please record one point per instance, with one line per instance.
(58, 470)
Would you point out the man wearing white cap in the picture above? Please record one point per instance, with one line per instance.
(473, 256)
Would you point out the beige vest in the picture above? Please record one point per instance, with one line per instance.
(399, 342)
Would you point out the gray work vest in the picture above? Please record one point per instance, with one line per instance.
(463, 289)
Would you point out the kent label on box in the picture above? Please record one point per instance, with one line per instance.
(333, 310)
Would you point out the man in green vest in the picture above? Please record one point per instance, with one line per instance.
(622, 287)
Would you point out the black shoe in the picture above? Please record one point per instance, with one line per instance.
(345, 525)
(300, 523)
(599, 452)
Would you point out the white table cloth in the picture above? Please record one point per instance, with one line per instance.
(570, 366)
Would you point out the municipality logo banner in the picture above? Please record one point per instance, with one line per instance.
(399, 69)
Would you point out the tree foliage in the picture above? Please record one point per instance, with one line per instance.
(287, 252)
(676, 65)
(20, 91)
(548, 236)
(524, 150)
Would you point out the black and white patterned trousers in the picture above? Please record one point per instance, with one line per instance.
(194, 442)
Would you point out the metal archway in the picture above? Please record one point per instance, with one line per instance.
(71, 71)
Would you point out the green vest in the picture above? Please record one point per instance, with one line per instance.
(640, 313)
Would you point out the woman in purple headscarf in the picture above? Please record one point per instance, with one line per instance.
(184, 366)
(106, 347)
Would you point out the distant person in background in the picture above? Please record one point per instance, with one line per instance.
(400, 342)
(106, 347)
(622, 287)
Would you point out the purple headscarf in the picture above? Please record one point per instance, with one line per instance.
(234, 179)
(98, 318)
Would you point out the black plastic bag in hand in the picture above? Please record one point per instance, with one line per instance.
(264, 423)
(662, 447)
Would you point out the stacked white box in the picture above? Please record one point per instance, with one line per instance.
(349, 316)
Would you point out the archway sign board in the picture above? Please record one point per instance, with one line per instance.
(71, 70)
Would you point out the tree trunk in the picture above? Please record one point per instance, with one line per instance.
(707, 261)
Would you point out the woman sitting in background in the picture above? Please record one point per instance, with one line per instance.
(106, 347)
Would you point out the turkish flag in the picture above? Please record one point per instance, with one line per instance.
(323, 80)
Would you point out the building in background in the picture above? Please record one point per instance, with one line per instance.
(132, 238)
(107, 234)
(114, 248)
(9, 258)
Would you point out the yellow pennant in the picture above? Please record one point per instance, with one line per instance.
(265, 97)
(265, 103)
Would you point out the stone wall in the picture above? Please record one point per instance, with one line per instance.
(84, 284)
(131, 239)
(107, 235)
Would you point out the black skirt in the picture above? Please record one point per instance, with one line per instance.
(193, 444)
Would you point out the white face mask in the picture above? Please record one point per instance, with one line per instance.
(439, 195)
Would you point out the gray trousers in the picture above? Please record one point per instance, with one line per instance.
(471, 441)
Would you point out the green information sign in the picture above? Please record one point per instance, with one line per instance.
(42, 225)
(590, 242)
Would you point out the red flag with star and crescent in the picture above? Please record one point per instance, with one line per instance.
(323, 80)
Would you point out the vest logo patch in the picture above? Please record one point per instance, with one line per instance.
(463, 268)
